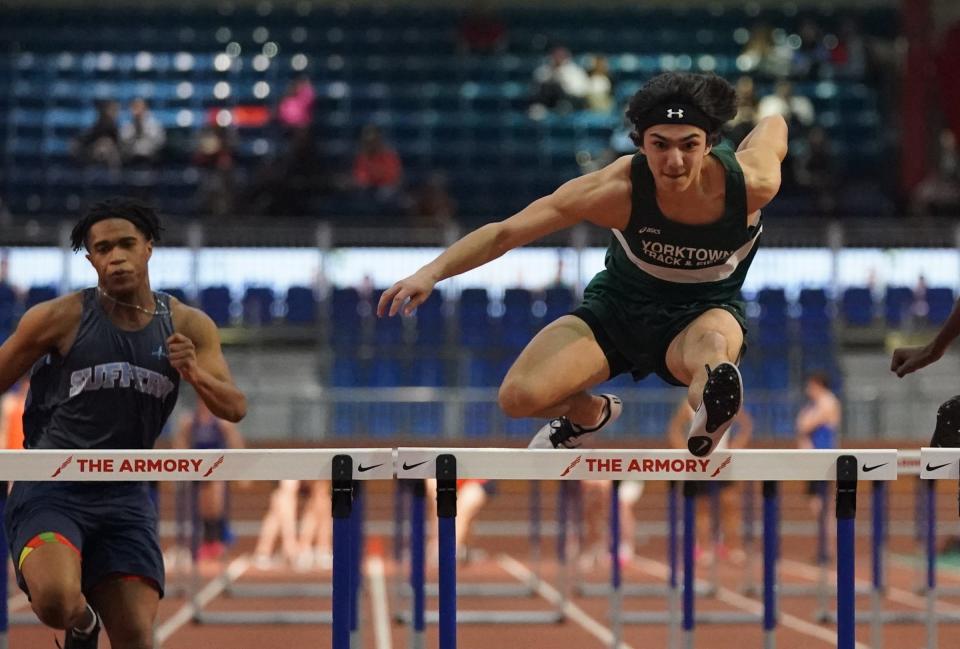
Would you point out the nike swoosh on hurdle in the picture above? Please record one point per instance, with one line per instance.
(868, 469)
(362, 468)
(934, 468)
(407, 467)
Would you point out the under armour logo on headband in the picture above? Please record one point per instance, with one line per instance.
(674, 114)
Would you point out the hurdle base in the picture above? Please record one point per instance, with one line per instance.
(638, 590)
(812, 590)
(492, 589)
(492, 617)
(263, 617)
(278, 590)
(704, 617)
(897, 617)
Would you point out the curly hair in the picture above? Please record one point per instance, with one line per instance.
(710, 93)
(143, 217)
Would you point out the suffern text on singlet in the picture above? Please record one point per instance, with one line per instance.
(120, 375)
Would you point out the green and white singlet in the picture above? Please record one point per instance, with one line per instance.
(661, 275)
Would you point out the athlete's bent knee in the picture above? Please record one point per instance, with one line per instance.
(57, 606)
(517, 398)
(131, 638)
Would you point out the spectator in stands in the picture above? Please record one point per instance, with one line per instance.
(100, 144)
(939, 193)
(815, 170)
(850, 57)
(561, 84)
(5, 216)
(377, 169)
(286, 184)
(599, 95)
(295, 111)
(214, 157)
(796, 109)
(481, 31)
(812, 55)
(141, 138)
(431, 204)
(765, 54)
(919, 307)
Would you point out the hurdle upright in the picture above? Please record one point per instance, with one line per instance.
(846, 467)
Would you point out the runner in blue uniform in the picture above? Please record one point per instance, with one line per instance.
(106, 366)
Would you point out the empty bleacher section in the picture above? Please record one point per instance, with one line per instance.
(397, 67)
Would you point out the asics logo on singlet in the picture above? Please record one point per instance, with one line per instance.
(648, 230)
(120, 375)
(675, 114)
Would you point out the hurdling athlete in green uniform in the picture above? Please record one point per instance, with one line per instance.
(684, 213)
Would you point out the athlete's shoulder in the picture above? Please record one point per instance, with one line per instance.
(64, 309)
(190, 321)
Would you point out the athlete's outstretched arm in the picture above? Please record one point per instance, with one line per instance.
(760, 155)
(601, 197)
(770, 134)
(910, 359)
(39, 331)
(195, 353)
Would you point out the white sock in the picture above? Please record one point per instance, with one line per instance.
(90, 627)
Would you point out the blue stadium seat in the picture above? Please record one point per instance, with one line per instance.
(857, 306)
(347, 371)
(474, 319)
(517, 322)
(896, 304)
(8, 310)
(301, 305)
(431, 325)
(387, 332)
(257, 306)
(215, 302)
(345, 319)
(559, 302)
(428, 370)
(940, 303)
(38, 294)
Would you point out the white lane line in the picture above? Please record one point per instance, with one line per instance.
(186, 612)
(552, 595)
(750, 605)
(17, 602)
(895, 594)
(378, 598)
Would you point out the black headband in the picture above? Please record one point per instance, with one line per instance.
(670, 112)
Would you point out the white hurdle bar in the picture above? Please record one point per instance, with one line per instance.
(846, 467)
(341, 466)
